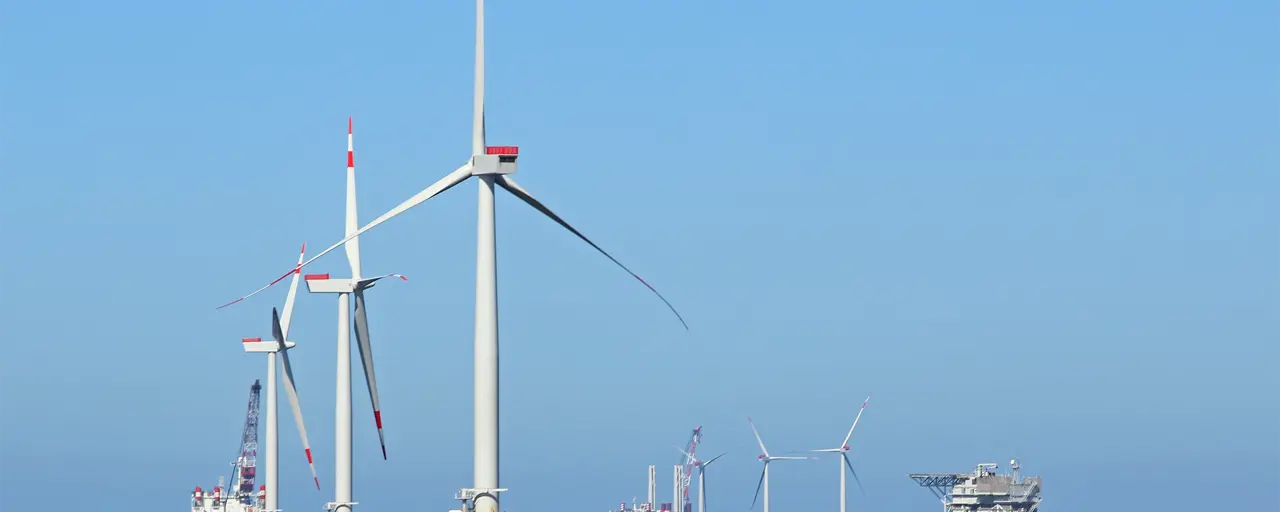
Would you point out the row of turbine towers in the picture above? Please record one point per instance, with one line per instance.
(491, 165)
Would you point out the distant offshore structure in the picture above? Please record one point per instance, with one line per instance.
(984, 490)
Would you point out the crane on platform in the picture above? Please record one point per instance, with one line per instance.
(245, 467)
(687, 464)
(240, 495)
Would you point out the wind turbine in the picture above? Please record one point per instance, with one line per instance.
(702, 477)
(279, 347)
(272, 348)
(843, 450)
(764, 472)
(346, 288)
(356, 285)
(491, 165)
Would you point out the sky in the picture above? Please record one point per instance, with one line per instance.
(1044, 230)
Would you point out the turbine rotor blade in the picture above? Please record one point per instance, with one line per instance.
(758, 485)
(366, 360)
(459, 175)
(292, 392)
(713, 459)
(855, 421)
(855, 473)
(506, 182)
(757, 433)
(293, 292)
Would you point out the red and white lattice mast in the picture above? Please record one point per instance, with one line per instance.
(688, 462)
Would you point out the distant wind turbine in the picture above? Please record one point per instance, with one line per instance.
(843, 450)
(764, 472)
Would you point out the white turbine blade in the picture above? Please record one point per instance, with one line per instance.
(367, 283)
(681, 450)
(758, 485)
(366, 360)
(457, 176)
(293, 292)
(477, 120)
(352, 247)
(268, 285)
(757, 433)
(511, 186)
(794, 458)
(292, 392)
(855, 421)
(713, 459)
(855, 473)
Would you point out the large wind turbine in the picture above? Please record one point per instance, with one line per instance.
(843, 450)
(764, 472)
(702, 477)
(491, 165)
(272, 348)
(345, 288)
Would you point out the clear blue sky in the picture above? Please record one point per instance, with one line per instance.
(1032, 229)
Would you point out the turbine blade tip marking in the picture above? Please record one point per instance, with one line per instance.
(377, 418)
(317, 482)
(309, 461)
(349, 125)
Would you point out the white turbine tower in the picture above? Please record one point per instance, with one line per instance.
(764, 472)
(843, 450)
(491, 165)
(272, 348)
(702, 477)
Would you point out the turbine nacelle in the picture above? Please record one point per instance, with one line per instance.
(495, 160)
(322, 283)
(257, 346)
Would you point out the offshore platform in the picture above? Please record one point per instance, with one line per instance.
(240, 497)
(681, 478)
(983, 489)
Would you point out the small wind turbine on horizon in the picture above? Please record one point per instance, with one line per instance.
(764, 472)
(702, 477)
(843, 450)
(491, 165)
(279, 347)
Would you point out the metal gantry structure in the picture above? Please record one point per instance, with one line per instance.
(244, 470)
(240, 495)
(688, 463)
